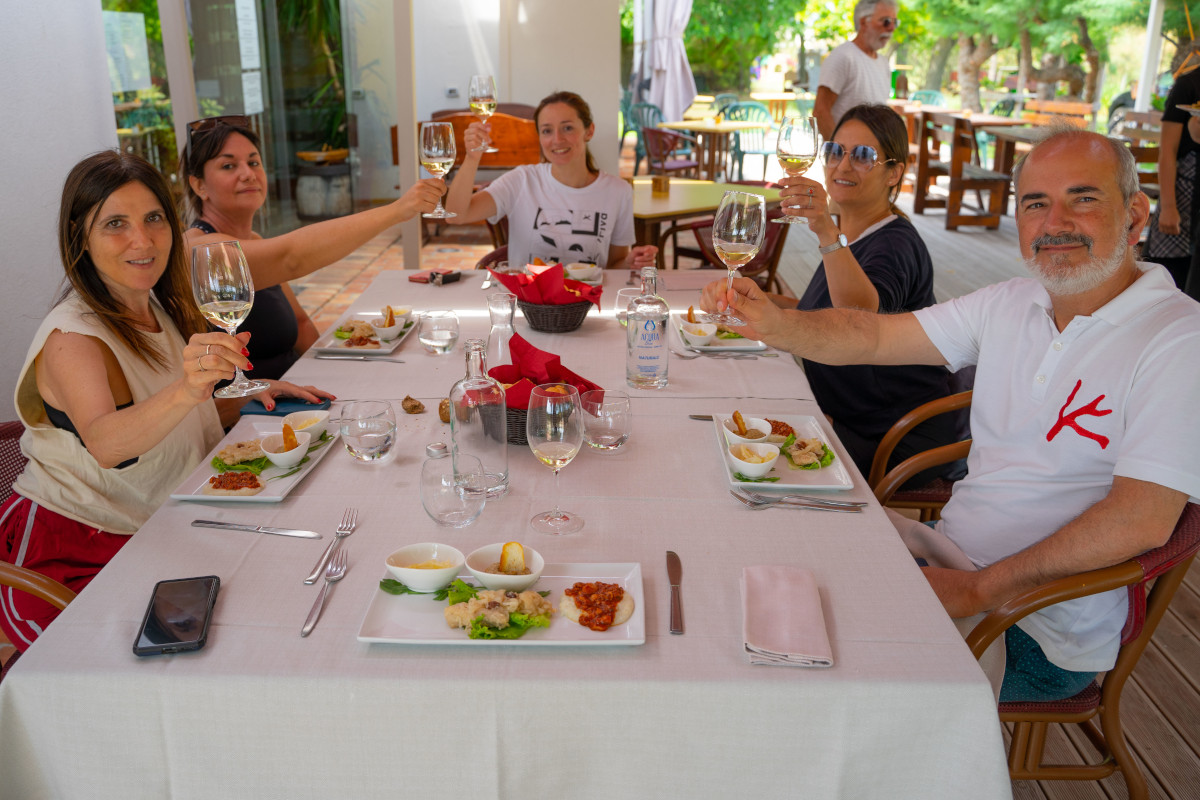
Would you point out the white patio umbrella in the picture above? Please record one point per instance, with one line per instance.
(672, 87)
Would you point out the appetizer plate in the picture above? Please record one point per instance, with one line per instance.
(273, 490)
(419, 619)
(328, 343)
(835, 476)
(1193, 110)
(718, 345)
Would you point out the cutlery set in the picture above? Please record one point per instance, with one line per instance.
(758, 502)
(337, 357)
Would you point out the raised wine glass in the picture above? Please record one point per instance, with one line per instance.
(437, 157)
(224, 291)
(482, 98)
(797, 150)
(554, 428)
(738, 230)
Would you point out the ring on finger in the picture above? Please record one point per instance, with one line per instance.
(207, 349)
(200, 363)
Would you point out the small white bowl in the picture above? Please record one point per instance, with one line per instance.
(272, 446)
(749, 468)
(300, 421)
(402, 314)
(752, 423)
(387, 332)
(582, 272)
(399, 564)
(698, 334)
(485, 557)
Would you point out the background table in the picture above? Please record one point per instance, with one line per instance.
(262, 713)
(712, 141)
(687, 198)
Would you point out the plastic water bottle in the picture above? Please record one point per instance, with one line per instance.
(478, 420)
(646, 336)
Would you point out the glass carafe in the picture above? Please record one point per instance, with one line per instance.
(501, 307)
(478, 419)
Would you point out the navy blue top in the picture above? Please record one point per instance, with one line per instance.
(272, 325)
(869, 399)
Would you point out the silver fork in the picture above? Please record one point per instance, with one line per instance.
(333, 573)
(757, 506)
(690, 356)
(349, 522)
(775, 498)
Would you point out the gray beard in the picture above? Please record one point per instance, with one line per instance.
(1060, 279)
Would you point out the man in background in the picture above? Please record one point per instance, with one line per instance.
(855, 72)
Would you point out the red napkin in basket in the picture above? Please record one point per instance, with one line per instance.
(532, 367)
(548, 288)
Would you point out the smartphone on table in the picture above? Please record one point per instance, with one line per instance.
(178, 616)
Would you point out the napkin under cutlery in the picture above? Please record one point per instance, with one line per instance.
(783, 624)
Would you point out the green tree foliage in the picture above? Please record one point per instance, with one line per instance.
(321, 23)
(723, 38)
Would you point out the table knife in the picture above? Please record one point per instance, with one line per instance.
(335, 357)
(675, 574)
(233, 526)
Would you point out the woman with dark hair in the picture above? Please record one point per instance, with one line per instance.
(226, 184)
(875, 260)
(564, 209)
(116, 390)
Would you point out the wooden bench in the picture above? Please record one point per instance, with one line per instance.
(955, 134)
(1143, 131)
(1043, 112)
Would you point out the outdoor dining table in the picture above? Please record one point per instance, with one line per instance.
(686, 198)
(712, 141)
(261, 712)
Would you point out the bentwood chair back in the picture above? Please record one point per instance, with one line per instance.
(763, 269)
(1152, 579)
(661, 151)
(643, 115)
(493, 258)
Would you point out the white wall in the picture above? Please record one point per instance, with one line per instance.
(57, 108)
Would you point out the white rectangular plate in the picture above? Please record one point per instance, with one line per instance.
(273, 491)
(835, 476)
(1195, 112)
(328, 343)
(419, 619)
(718, 345)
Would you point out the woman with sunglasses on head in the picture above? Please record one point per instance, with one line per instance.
(116, 390)
(564, 209)
(226, 184)
(874, 260)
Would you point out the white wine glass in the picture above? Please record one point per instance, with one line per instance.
(481, 95)
(224, 291)
(737, 231)
(437, 157)
(554, 428)
(797, 149)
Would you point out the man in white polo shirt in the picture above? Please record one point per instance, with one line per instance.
(856, 72)
(1083, 420)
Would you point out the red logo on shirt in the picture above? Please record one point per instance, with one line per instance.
(1071, 420)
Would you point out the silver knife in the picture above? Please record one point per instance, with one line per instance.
(675, 574)
(334, 357)
(233, 526)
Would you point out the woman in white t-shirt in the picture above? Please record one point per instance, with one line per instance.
(564, 209)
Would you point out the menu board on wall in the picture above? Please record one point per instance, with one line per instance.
(128, 54)
(247, 28)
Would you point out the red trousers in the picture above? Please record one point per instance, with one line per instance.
(47, 542)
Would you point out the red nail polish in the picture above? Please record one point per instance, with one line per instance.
(249, 367)
(245, 352)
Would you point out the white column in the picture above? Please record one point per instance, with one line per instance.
(406, 133)
(178, 54)
(1149, 77)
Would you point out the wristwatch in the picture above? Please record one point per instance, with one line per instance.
(837, 244)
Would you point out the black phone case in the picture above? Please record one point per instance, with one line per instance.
(178, 647)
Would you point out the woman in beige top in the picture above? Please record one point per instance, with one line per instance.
(116, 391)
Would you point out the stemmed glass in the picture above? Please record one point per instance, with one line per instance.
(224, 291)
(737, 231)
(482, 98)
(437, 157)
(797, 150)
(554, 428)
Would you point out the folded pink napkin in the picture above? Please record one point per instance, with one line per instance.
(783, 623)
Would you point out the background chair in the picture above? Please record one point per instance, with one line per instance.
(661, 151)
(493, 258)
(643, 115)
(626, 117)
(1003, 108)
(762, 269)
(754, 140)
(723, 101)
(928, 97)
(941, 130)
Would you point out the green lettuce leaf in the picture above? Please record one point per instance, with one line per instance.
(825, 461)
(729, 335)
(460, 591)
(256, 465)
(747, 479)
(518, 624)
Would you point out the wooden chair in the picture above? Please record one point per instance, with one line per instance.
(493, 258)
(1143, 131)
(514, 137)
(940, 131)
(928, 499)
(762, 269)
(661, 147)
(522, 110)
(1043, 112)
(1096, 710)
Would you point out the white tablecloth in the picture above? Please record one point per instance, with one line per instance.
(262, 713)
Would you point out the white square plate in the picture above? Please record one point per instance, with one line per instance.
(252, 427)
(419, 619)
(835, 476)
(328, 343)
(718, 345)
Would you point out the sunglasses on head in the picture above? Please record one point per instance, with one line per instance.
(208, 123)
(863, 157)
